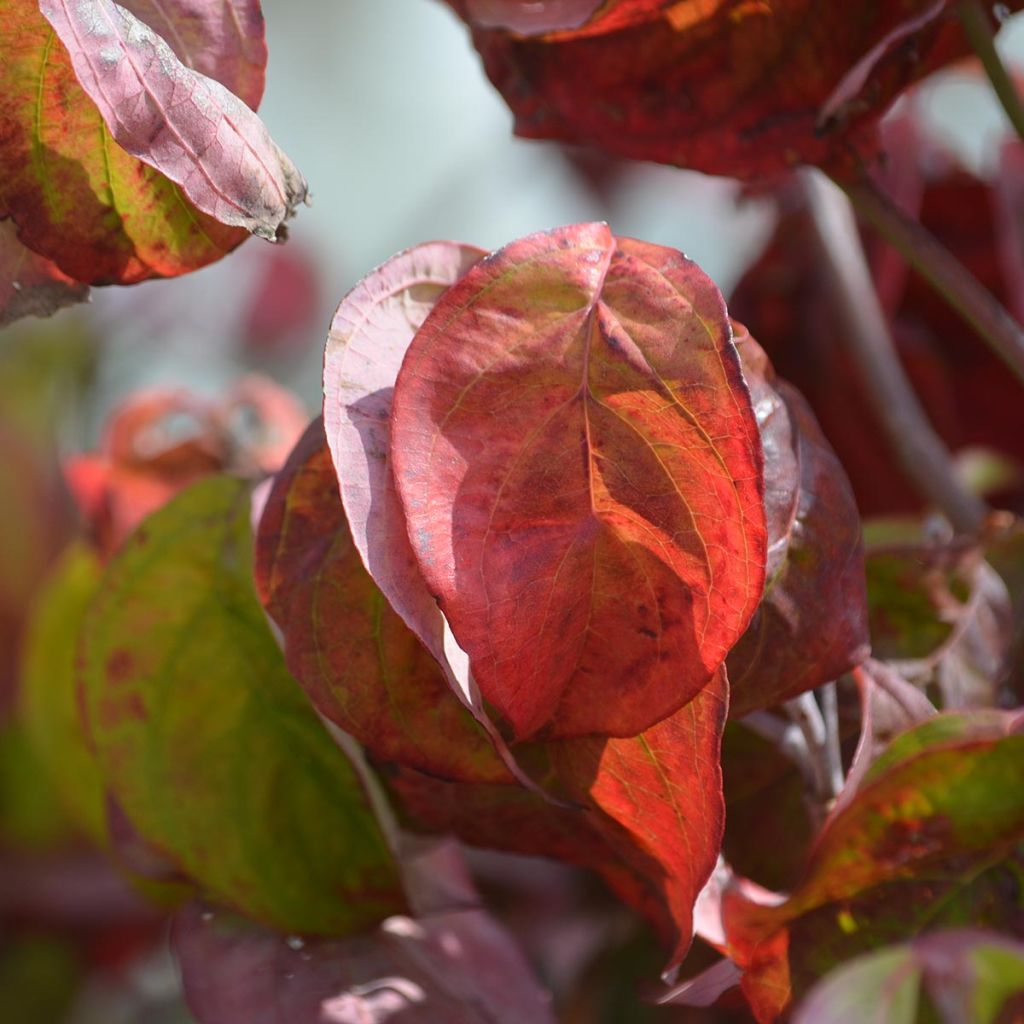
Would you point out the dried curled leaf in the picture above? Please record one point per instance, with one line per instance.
(580, 471)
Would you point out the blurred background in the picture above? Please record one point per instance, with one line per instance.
(385, 109)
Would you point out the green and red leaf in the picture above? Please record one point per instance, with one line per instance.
(123, 160)
(932, 836)
(206, 742)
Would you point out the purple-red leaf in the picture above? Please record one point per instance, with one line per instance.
(458, 967)
(721, 86)
(580, 469)
(187, 126)
(811, 625)
(369, 336)
(222, 39)
(360, 664)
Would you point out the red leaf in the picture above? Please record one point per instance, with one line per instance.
(459, 967)
(189, 127)
(160, 441)
(812, 624)
(358, 661)
(664, 789)
(581, 475)
(649, 816)
(746, 89)
(30, 285)
(222, 39)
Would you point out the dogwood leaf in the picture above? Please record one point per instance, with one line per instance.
(580, 471)
(206, 742)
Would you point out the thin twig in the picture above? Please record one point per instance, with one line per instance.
(978, 29)
(921, 453)
(950, 278)
(806, 714)
(789, 740)
(829, 697)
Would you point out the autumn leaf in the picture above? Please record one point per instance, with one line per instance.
(369, 336)
(646, 812)
(71, 119)
(362, 667)
(459, 966)
(811, 625)
(580, 471)
(561, 19)
(222, 39)
(968, 974)
(745, 89)
(663, 789)
(159, 441)
(206, 742)
(931, 837)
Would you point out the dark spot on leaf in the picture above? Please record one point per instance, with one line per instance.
(120, 665)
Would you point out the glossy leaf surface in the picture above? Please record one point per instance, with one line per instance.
(208, 744)
(580, 470)
(725, 87)
(811, 625)
(459, 967)
(360, 664)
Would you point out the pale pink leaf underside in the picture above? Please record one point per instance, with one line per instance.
(187, 126)
(222, 39)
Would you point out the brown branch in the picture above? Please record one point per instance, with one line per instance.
(920, 451)
(950, 278)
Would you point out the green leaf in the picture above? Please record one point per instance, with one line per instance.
(207, 742)
(49, 701)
